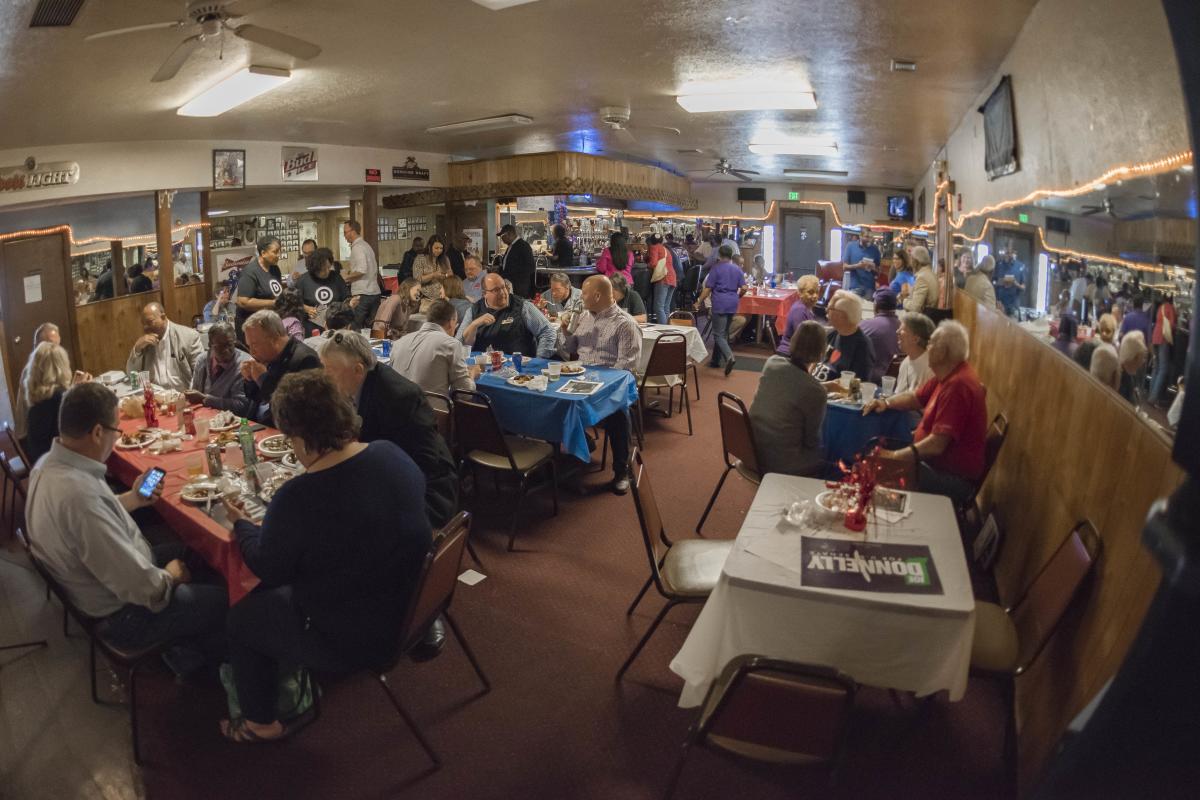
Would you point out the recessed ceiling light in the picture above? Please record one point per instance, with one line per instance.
(500, 5)
(795, 146)
(485, 124)
(328, 208)
(747, 101)
(240, 87)
(216, 212)
(900, 65)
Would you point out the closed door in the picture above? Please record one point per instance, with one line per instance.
(34, 291)
(803, 242)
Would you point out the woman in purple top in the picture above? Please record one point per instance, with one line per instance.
(726, 283)
(808, 291)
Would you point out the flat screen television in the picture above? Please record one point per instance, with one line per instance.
(900, 207)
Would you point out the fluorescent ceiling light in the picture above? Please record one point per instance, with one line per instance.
(500, 5)
(327, 208)
(819, 173)
(795, 146)
(216, 212)
(485, 124)
(761, 100)
(240, 87)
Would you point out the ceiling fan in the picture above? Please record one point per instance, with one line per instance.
(616, 119)
(723, 167)
(212, 20)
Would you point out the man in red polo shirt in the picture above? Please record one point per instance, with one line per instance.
(948, 445)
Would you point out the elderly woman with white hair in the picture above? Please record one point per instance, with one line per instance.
(925, 285)
(849, 348)
(979, 282)
(948, 445)
(808, 292)
(1133, 355)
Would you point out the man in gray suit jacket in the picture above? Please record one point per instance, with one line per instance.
(167, 350)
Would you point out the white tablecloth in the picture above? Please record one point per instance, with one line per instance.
(696, 349)
(911, 642)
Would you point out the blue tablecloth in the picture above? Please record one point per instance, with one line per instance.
(846, 431)
(556, 417)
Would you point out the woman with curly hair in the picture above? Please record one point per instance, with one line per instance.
(430, 267)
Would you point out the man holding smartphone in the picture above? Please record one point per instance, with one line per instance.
(86, 538)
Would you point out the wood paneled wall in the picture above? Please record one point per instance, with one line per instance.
(106, 330)
(1075, 450)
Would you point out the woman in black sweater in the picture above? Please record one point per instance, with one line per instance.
(339, 553)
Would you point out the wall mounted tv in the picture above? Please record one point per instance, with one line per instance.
(900, 207)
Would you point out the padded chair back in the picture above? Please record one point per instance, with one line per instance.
(779, 711)
(438, 579)
(1037, 614)
(682, 318)
(737, 436)
(443, 414)
(653, 534)
(476, 426)
(668, 356)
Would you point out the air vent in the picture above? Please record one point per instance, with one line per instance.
(55, 13)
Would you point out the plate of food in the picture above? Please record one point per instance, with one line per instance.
(274, 446)
(573, 369)
(290, 461)
(202, 490)
(136, 440)
(521, 379)
(834, 500)
(271, 485)
(223, 421)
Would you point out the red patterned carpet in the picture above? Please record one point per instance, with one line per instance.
(549, 626)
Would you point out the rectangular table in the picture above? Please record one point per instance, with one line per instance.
(208, 537)
(767, 303)
(845, 431)
(912, 642)
(555, 417)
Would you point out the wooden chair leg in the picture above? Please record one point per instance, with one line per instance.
(645, 637)
(487, 685)
(713, 499)
(408, 720)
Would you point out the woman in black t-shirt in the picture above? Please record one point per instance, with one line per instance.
(850, 349)
(260, 282)
(321, 284)
(563, 254)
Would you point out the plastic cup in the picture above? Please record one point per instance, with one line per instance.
(366, 332)
(847, 376)
(555, 368)
(889, 385)
(202, 428)
(868, 391)
(481, 360)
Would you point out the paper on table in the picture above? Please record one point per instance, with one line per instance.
(778, 548)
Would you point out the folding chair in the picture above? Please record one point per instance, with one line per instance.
(689, 319)
(737, 446)
(665, 369)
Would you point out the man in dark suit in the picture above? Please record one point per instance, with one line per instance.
(518, 265)
(273, 354)
(410, 255)
(394, 408)
(457, 253)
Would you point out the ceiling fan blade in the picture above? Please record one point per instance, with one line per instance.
(134, 29)
(1091, 211)
(624, 136)
(278, 41)
(745, 171)
(667, 129)
(737, 173)
(178, 56)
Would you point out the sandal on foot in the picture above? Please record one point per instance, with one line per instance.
(239, 733)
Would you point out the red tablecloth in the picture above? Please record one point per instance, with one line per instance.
(769, 302)
(197, 530)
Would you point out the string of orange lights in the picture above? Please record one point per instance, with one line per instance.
(29, 233)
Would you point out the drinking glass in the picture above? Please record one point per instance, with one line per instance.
(555, 368)
(202, 429)
(195, 466)
(889, 385)
(847, 376)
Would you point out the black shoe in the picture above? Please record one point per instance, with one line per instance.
(729, 366)
(431, 645)
(620, 484)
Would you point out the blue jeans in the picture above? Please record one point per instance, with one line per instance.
(195, 617)
(364, 312)
(663, 295)
(722, 352)
(932, 481)
(1162, 370)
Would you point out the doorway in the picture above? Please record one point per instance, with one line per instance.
(34, 290)
(803, 242)
(1020, 244)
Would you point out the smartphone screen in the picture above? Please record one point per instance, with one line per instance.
(151, 483)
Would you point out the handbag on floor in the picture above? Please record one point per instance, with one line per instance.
(296, 692)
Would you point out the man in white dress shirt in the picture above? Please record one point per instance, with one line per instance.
(431, 357)
(363, 276)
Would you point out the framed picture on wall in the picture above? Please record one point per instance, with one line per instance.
(229, 169)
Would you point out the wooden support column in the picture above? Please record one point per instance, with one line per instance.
(166, 264)
(117, 252)
(370, 216)
(205, 251)
(944, 252)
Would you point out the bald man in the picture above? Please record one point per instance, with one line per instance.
(506, 322)
(166, 350)
(606, 336)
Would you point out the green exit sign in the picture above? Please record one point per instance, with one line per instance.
(1023, 218)
(793, 195)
